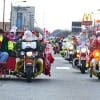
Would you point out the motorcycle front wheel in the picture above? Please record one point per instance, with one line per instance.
(83, 66)
(29, 74)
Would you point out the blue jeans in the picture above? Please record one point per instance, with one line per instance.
(3, 56)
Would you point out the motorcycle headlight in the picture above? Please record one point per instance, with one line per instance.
(71, 47)
(83, 50)
(96, 53)
(22, 53)
(29, 54)
(78, 51)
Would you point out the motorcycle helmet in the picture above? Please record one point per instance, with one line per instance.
(27, 35)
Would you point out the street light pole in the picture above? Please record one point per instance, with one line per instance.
(3, 14)
(11, 16)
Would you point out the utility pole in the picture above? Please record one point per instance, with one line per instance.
(11, 16)
(3, 15)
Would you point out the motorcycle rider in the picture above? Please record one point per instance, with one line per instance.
(74, 42)
(94, 44)
(28, 36)
(98, 41)
(3, 47)
(12, 40)
(95, 41)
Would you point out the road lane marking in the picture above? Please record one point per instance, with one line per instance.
(58, 58)
(63, 68)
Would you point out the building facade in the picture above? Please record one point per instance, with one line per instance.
(6, 26)
(22, 17)
(76, 27)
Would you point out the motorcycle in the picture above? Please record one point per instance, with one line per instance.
(94, 65)
(70, 53)
(80, 62)
(31, 63)
(28, 64)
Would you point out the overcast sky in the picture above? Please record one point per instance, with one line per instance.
(54, 14)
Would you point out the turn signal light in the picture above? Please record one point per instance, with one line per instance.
(78, 55)
(96, 53)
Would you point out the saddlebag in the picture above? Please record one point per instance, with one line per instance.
(11, 63)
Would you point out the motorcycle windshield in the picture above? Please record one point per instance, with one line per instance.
(32, 45)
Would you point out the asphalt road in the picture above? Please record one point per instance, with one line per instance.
(65, 83)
